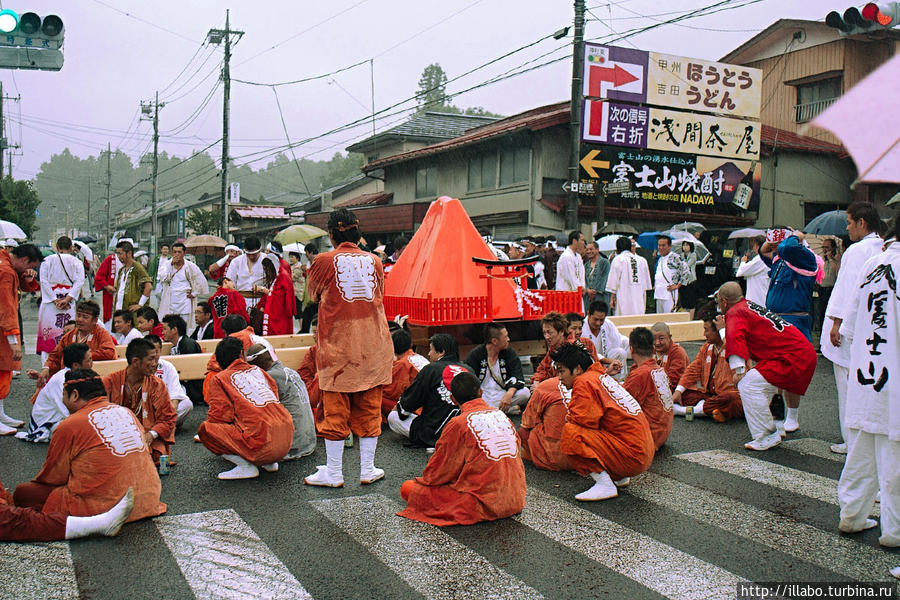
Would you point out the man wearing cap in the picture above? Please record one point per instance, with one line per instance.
(218, 269)
(354, 353)
(181, 283)
(133, 285)
(246, 271)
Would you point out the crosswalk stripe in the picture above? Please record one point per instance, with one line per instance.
(429, 560)
(785, 478)
(41, 571)
(222, 557)
(662, 568)
(813, 447)
(832, 552)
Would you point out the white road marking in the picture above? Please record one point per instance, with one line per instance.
(662, 568)
(830, 551)
(785, 478)
(813, 447)
(38, 571)
(429, 560)
(222, 557)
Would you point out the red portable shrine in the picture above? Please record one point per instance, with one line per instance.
(449, 276)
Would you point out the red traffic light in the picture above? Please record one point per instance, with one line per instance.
(872, 12)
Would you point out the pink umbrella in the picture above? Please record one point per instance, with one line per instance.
(864, 120)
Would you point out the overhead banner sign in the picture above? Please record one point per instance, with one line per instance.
(644, 77)
(670, 130)
(651, 175)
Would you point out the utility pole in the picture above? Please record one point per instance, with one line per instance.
(575, 118)
(108, 182)
(148, 108)
(217, 36)
(89, 206)
(4, 142)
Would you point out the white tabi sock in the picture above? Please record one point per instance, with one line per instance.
(107, 523)
(368, 472)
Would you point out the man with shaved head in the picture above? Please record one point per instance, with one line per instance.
(669, 355)
(784, 359)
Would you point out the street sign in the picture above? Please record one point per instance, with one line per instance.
(590, 163)
(12, 57)
(235, 193)
(619, 187)
(615, 73)
(670, 130)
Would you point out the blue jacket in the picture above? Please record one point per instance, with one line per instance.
(789, 291)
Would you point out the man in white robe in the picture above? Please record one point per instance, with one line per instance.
(605, 336)
(834, 347)
(756, 272)
(629, 281)
(181, 283)
(671, 274)
(570, 266)
(62, 277)
(246, 272)
(871, 328)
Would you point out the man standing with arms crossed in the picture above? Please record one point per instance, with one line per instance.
(570, 268)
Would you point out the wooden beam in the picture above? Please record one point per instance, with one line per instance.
(300, 340)
(687, 331)
(676, 317)
(193, 366)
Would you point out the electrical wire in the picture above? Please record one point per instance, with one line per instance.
(193, 116)
(144, 21)
(216, 69)
(288, 138)
(180, 73)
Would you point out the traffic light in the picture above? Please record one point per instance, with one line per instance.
(28, 41)
(872, 17)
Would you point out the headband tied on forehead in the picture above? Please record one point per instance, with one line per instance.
(74, 381)
(348, 227)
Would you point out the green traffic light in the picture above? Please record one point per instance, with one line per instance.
(9, 20)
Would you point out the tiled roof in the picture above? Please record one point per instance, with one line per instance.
(535, 119)
(261, 212)
(772, 137)
(366, 199)
(434, 125)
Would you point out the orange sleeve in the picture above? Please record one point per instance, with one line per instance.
(307, 369)
(9, 298)
(448, 459)
(636, 385)
(585, 408)
(221, 410)
(106, 346)
(677, 364)
(54, 359)
(58, 462)
(545, 370)
(531, 418)
(164, 411)
(399, 381)
(693, 372)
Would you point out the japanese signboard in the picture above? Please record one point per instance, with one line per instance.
(669, 130)
(672, 81)
(651, 175)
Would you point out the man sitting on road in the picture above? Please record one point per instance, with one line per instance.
(476, 473)
(606, 435)
(783, 355)
(123, 327)
(708, 383)
(556, 333)
(542, 425)
(95, 456)
(168, 374)
(175, 332)
(669, 355)
(246, 424)
(605, 336)
(430, 393)
(648, 384)
(87, 331)
(235, 326)
(407, 364)
(292, 395)
(137, 388)
(204, 329)
(48, 410)
(500, 371)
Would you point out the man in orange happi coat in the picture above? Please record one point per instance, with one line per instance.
(16, 273)
(235, 326)
(542, 426)
(407, 364)
(649, 385)
(708, 382)
(476, 472)
(354, 353)
(606, 434)
(95, 456)
(87, 331)
(137, 388)
(557, 332)
(246, 424)
(669, 355)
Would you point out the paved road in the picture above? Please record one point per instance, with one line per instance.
(707, 516)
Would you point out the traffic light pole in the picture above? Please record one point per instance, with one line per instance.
(153, 223)
(575, 118)
(108, 183)
(216, 36)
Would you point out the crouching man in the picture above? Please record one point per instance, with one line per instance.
(476, 472)
(606, 434)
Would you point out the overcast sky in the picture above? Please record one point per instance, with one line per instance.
(114, 61)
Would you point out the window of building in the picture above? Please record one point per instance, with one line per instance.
(426, 182)
(816, 96)
(483, 171)
(514, 165)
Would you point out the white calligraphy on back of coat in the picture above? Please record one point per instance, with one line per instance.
(661, 381)
(355, 275)
(116, 427)
(253, 386)
(621, 396)
(494, 433)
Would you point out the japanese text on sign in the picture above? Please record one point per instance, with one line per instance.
(670, 131)
(704, 86)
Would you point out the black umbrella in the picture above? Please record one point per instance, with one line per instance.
(87, 239)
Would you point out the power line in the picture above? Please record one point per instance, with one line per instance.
(288, 138)
(144, 21)
(305, 79)
(193, 116)
(190, 60)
